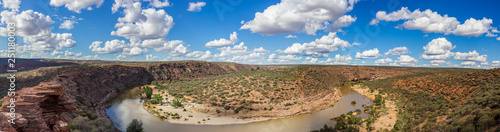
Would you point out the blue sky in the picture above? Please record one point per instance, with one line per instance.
(343, 32)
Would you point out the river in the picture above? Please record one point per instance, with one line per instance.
(128, 106)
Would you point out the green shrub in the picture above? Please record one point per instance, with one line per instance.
(135, 126)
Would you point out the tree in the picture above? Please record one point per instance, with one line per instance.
(177, 102)
(148, 91)
(135, 126)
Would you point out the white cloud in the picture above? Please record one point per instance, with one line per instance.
(233, 38)
(11, 4)
(133, 51)
(195, 7)
(397, 51)
(429, 21)
(35, 28)
(158, 3)
(55, 53)
(311, 60)
(438, 49)
(151, 57)
(71, 54)
(385, 61)
(77, 5)
(240, 49)
(170, 46)
(89, 57)
(471, 56)
(294, 16)
(473, 27)
(340, 59)
(273, 58)
(489, 34)
(437, 62)
(110, 47)
(318, 48)
(200, 55)
(368, 54)
(494, 30)
(249, 58)
(67, 24)
(406, 60)
(344, 21)
(291, 36)
(495, 63)
(150, 24)
(498, 38)
(153, 43)
(180, 50)
(468, 63)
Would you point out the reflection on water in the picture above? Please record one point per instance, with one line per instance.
(128, 107)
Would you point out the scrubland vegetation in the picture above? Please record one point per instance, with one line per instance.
(445, 101)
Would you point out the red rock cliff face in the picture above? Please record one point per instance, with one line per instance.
(38, 109)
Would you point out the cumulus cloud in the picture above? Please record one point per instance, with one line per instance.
(340, 59)
(158, 3)
(294, 16)
(438, 49)
(149, 24)
(233, 38)
(495, 63)
(72, 54)
(429, 21)
(344, 21)
(35, 28)
(110, 47)
(170, 46)
(180, 50)
(368, 54)
(240, 49)
(195, 7)
(397, 51)
(67, 24)
(385, 61)
(199, 55)
(291, 36)
(473, 27)
(471, 56)
(437, 62)
(320, 47)
(56, 53)
(406, 60)
(249, 58)
(273, 58)
(468, 63)
(11, 4)
(133, 51)
(77, 5)
(151, 57)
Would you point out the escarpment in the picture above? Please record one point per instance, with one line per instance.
(37, 109)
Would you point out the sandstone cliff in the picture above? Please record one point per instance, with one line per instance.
(38, 109)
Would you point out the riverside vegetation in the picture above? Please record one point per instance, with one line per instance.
(427, 99)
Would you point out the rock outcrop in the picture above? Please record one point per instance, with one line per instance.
(37, 109)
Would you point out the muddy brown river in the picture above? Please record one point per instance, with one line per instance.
(128, 106)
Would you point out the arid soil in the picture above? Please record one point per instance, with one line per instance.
(386, 120)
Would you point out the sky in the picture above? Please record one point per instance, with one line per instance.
(419, 33)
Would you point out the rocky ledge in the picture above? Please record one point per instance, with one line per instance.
(37, 108)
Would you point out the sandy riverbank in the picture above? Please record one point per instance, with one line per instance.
(386, 120)
(203, 114)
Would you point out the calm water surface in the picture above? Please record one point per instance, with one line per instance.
(128, 106)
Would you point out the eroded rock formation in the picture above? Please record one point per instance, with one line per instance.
(38, 109)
